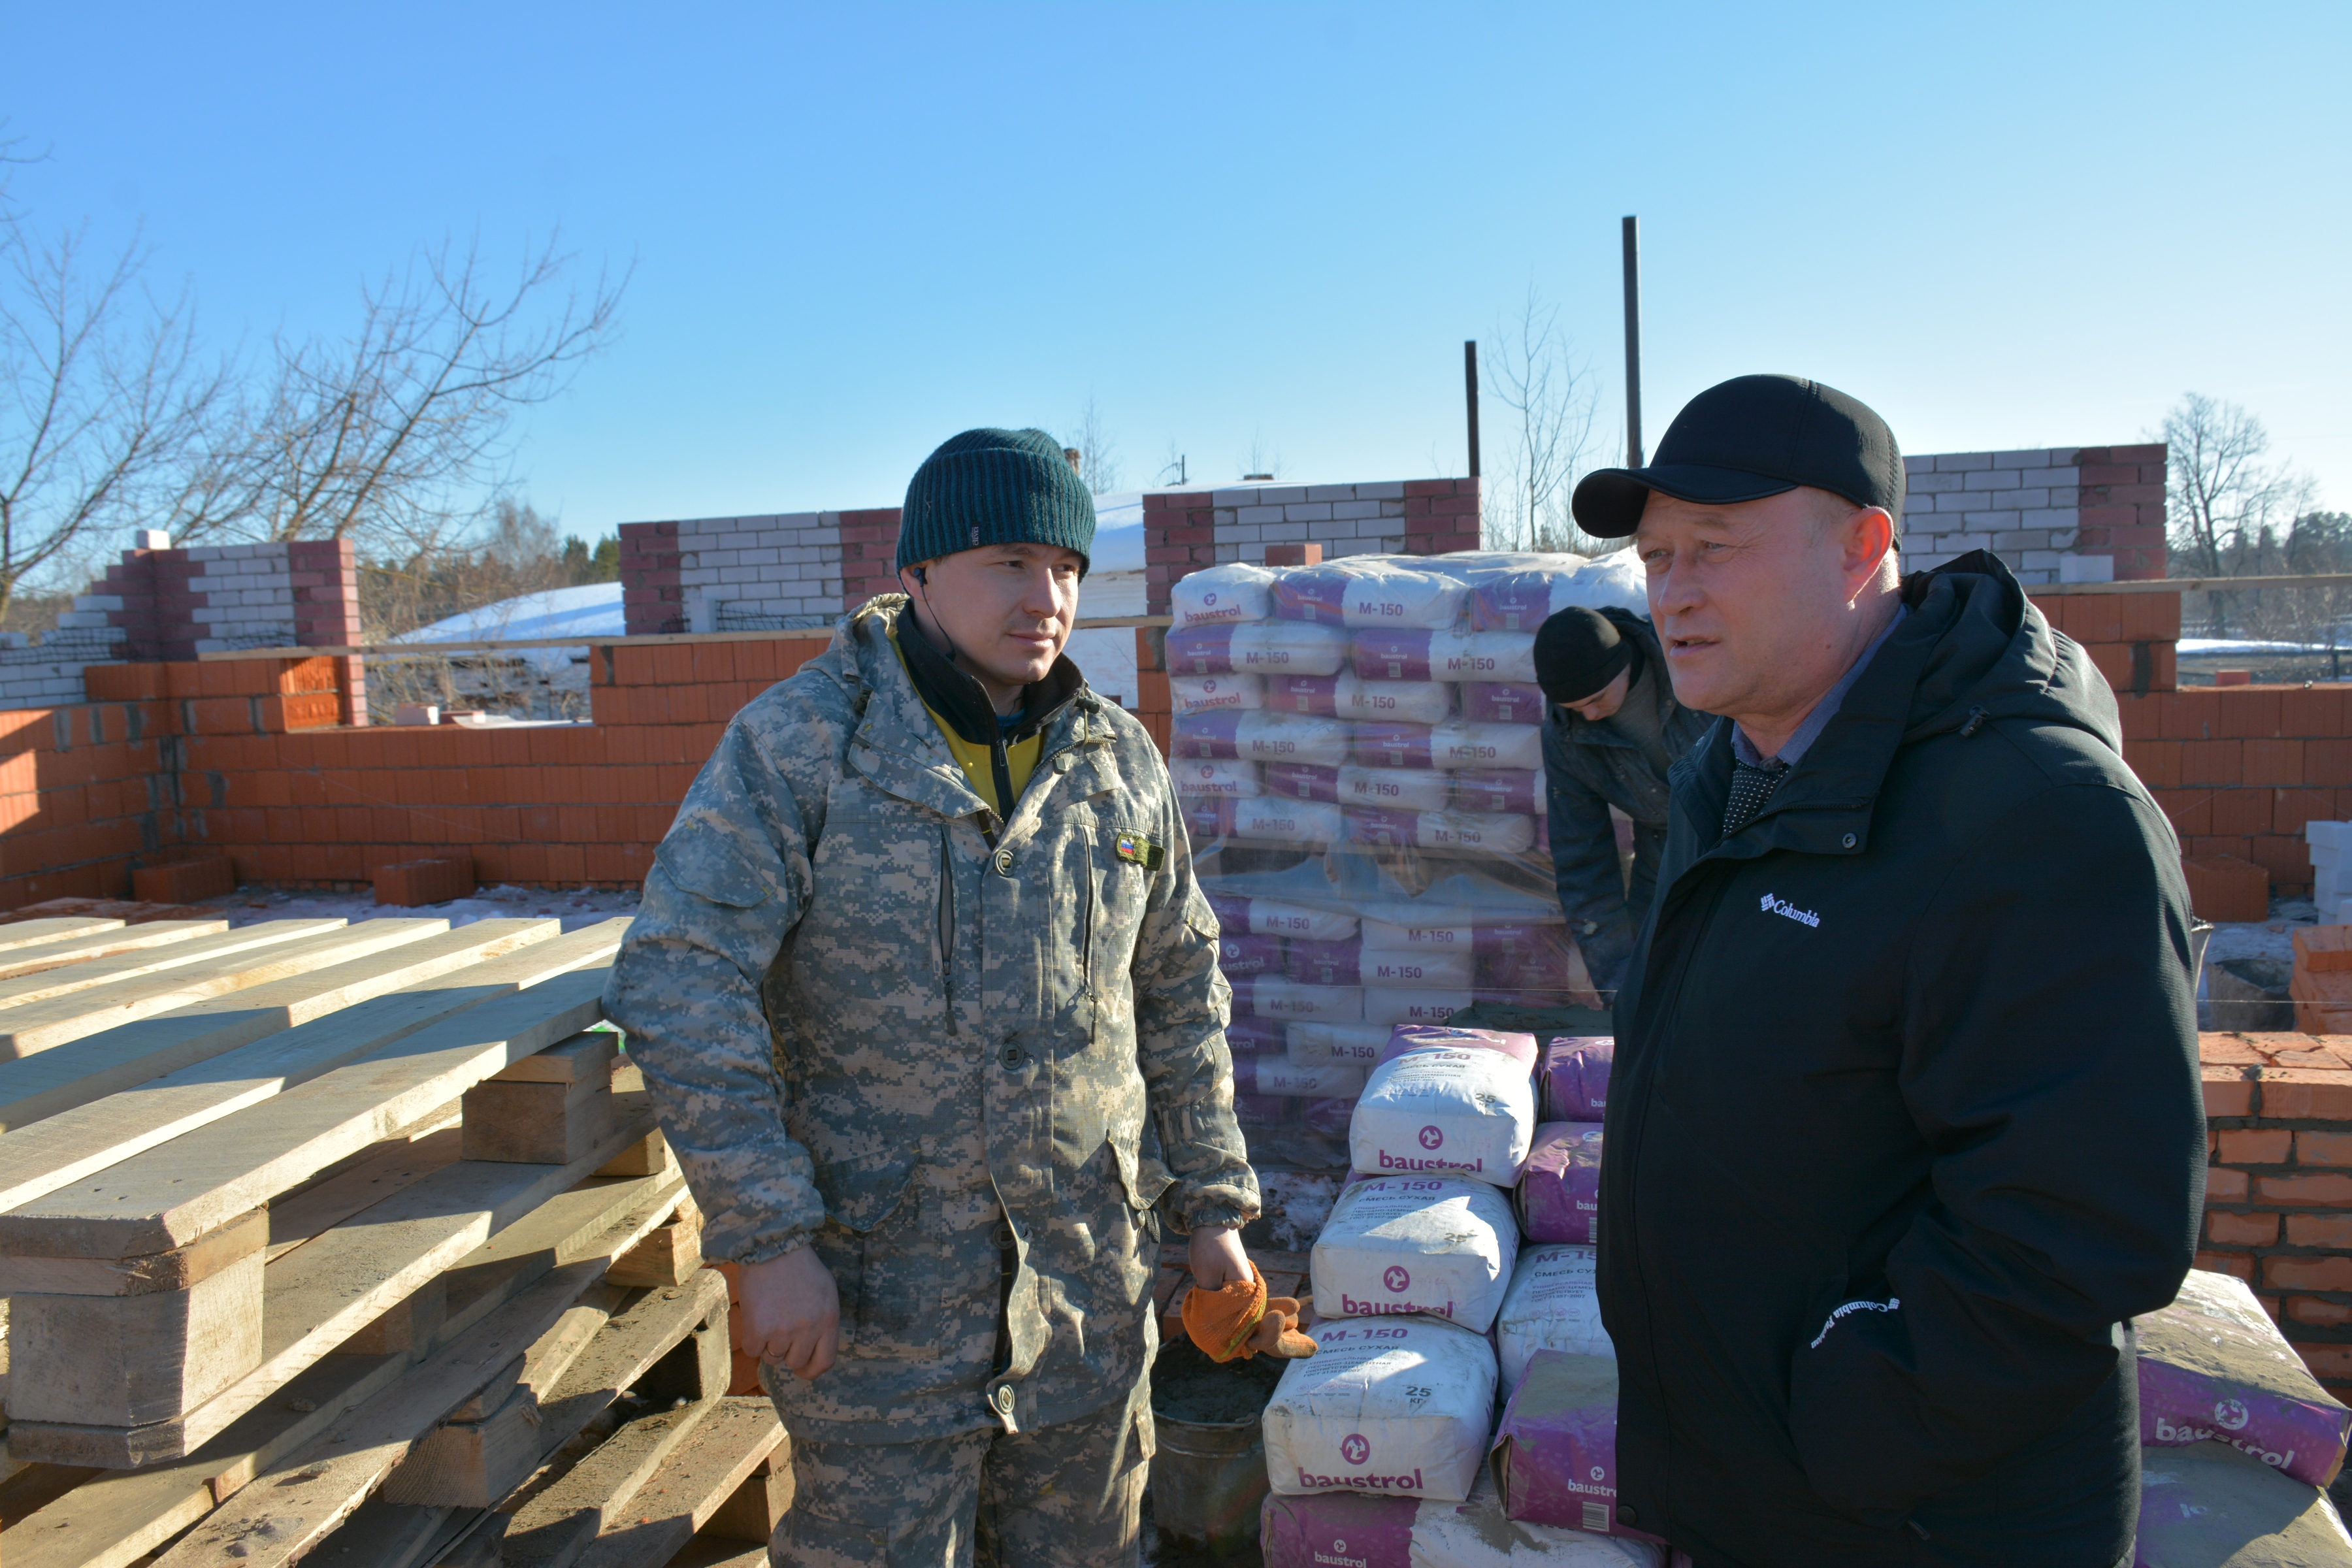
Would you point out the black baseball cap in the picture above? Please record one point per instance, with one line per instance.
(1749, 437)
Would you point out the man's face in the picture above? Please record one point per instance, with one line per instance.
(1009, 609)
(1755, 603)
(1605, 701)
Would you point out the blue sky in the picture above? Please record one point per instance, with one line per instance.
(857, 229)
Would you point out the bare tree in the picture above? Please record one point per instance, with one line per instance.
(1554, 399)
(391, 436)
(1263, 462)
(1098, 450)
(102, 395)
(2225, 496)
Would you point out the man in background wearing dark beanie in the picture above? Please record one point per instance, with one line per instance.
(927, 998)
(1612, 730)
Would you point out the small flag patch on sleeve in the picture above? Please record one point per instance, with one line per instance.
(1139, 849)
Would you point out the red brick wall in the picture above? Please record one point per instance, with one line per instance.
(2278, 1184)
(2122, 506)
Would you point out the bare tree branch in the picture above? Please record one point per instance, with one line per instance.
(102, 395)
(1097, 449)
(1533, 371)
(394, 435)
(2224, 496)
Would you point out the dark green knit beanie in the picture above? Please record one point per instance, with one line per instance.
(994, 487)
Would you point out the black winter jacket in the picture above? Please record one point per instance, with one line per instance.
(1589, 767)
(1907, 1124)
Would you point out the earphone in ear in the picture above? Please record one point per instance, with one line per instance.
(922, 576)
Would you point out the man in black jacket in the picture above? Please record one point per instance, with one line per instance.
(1612, 730)
(1907, 1124)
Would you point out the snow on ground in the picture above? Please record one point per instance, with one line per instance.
(591, 610)
(2195, 647)
(577, 908)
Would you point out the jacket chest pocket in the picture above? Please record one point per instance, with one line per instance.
(875, 902)
(1120, 888)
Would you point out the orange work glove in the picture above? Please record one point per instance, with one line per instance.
(1240, 1321)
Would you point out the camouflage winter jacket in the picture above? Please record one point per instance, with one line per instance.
(878, 1021)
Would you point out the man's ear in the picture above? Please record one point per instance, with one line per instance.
(1868, 535)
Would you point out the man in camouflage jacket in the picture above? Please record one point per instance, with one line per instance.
(962, 1057)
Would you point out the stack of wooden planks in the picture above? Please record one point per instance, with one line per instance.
(354, 1242)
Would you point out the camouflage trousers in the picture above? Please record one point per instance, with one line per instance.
(1058, 1497)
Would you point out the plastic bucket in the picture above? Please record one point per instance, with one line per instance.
(1208, 1476)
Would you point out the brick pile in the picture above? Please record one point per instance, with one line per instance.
(2278, 1187)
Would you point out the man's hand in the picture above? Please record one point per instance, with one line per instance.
(1217, 1257)
(792, 1313)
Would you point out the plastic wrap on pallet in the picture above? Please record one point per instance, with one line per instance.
(1279, 1075)
(1397, 750)
(1249, 1036)
(1239, 954)
(1262, 1111)
(1324, 1042)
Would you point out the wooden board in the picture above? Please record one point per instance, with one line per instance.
(117, 1519)
(135, 1053)
(85, 1134)
(111, 936)
(558, 1526)
(302, 1498)
(45, 1026)
(192, 947)
(37, 933)
(384, 1535)
(694, 1481)
(492, 1441)
(318, 1296)
(175, 1192)
(397, 1163)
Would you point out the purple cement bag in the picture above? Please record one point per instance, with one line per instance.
(1244, 955)
(1504, 789)
(1302, 780)
(1502, 701)
(1572, 1079)
(1555, 1455)
(1249, 1036)
(2213, 1366)
(1559, 1194)
(1325, 962)
(1337, 1529)
(1264, 1110)
(1382, 745)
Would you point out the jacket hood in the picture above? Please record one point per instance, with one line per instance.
(1975, 647)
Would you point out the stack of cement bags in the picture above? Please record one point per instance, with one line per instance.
(1378, 1446)
(1359, 747)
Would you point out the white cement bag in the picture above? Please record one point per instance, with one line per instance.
(1289, 648)
(1234, 592)
(1278, 996)
(1394, 654)
(1398, 789)
(1457, 1101)
(1553, 1304)
(1384, 595)
(1398, 702)
(1438, 1245)
(1309, 1043)
(1394, 1406)
(1399, 1004)
(1295, 738)
(1279, 819)
(1205, 693)
(1271, 917)
(1497, 832)
(1279, 1076)
(1460, 743)
(1425, 971)
(1615, 581)
(1238, 780)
